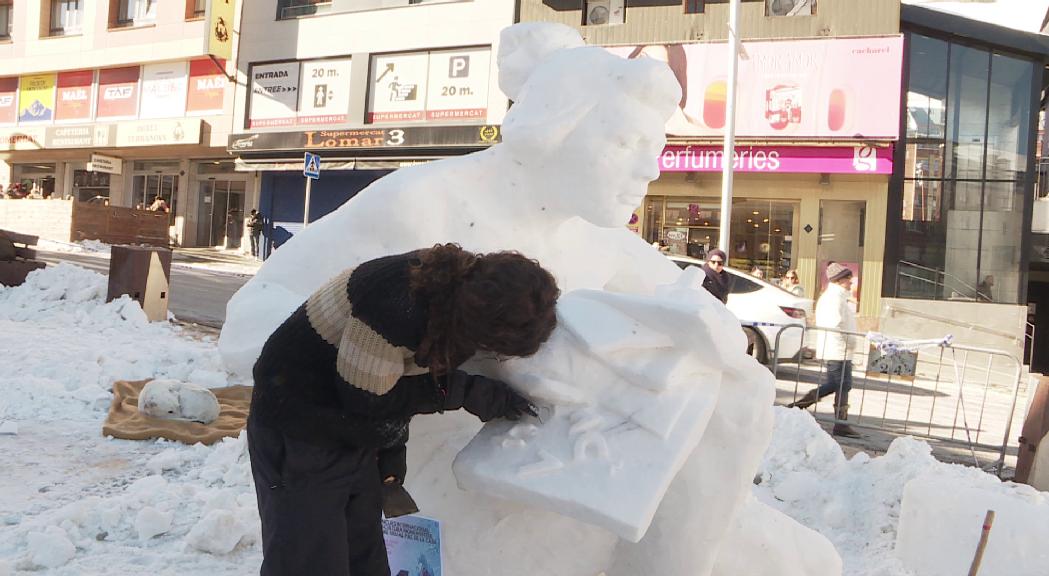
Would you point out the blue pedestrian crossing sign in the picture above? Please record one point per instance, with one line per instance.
(311, 166)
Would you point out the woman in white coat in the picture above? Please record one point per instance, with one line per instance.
(835, 347)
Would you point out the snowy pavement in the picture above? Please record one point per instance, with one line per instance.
(75, 503)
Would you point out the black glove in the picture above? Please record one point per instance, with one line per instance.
(485, 398)
(393, 463)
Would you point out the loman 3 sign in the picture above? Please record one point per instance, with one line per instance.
(367, 138)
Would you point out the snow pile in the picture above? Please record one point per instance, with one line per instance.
(904, 512)
(194, 499)
(64, 346)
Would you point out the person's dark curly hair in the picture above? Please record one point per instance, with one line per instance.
(501, 302)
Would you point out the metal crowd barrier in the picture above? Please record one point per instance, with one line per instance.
(958, 395)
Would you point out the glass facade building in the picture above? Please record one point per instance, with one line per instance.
(960, 199)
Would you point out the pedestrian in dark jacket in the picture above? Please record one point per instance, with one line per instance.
(255, 225)
(337, 383)
(718, 282)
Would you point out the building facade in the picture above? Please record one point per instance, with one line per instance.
(120, 102)
(816, 121)
(370, 86)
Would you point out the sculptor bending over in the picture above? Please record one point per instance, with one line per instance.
(338, 382)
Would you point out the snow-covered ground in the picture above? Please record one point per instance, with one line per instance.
(73, 502)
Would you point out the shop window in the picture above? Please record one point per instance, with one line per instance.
(6, 13)
(762, 236)
(287, 9)
(147, 189)
(129, 13)
(34, 180)
(91, 186)
(603, 12)
(65, 17)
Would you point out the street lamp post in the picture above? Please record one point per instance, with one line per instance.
(728, 157)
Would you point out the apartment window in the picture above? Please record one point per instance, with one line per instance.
(603, 12)
(196, 9)
(6, 7)
(790, 7)
(294, 8)
(66, 17)
(132, 12)
(699, 6)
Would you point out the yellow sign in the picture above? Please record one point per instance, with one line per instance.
(220, 28)
(36, 98)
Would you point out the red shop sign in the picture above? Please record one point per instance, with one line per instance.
(73, 101)
(118, 92)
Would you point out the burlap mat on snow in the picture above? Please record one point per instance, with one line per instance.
(125, 421)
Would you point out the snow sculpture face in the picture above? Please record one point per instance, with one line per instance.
(594, 154)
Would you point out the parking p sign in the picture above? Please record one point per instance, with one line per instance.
(311, 166)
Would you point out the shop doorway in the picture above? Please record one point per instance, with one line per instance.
(842, 226)
(220, 213)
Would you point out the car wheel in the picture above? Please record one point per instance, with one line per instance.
(756, 346)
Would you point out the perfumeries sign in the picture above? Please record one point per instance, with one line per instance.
(371, 138)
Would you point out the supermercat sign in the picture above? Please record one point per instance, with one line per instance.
(780, 159)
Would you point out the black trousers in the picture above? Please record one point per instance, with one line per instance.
(321, 508)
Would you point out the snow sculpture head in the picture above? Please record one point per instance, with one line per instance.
(599, 151)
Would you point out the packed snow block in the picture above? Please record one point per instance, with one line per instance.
(623, 415)
(940, 528)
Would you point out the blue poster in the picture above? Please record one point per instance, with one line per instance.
(413, 545)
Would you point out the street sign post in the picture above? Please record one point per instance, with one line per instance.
(311, 169)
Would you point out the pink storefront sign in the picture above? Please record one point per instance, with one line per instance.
(780, 159)
(840, 88)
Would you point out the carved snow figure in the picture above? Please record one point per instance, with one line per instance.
(654, 419)
(177, 400)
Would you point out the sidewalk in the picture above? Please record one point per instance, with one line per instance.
(216, 259)
(928, 408)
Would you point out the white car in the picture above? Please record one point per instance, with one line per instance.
(763, 308)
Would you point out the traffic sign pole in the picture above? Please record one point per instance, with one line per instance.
(306, 213)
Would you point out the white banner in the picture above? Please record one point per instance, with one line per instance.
(324, 91)
(397, 90)
(164, 88)
(274, 94)
(458, 85)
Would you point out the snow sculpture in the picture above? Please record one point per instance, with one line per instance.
(177, 400)
(653, 416)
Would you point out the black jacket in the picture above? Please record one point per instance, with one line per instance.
(717, 283)
(341, 371)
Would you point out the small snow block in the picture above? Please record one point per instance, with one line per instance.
(9, 428)
(126, 421)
